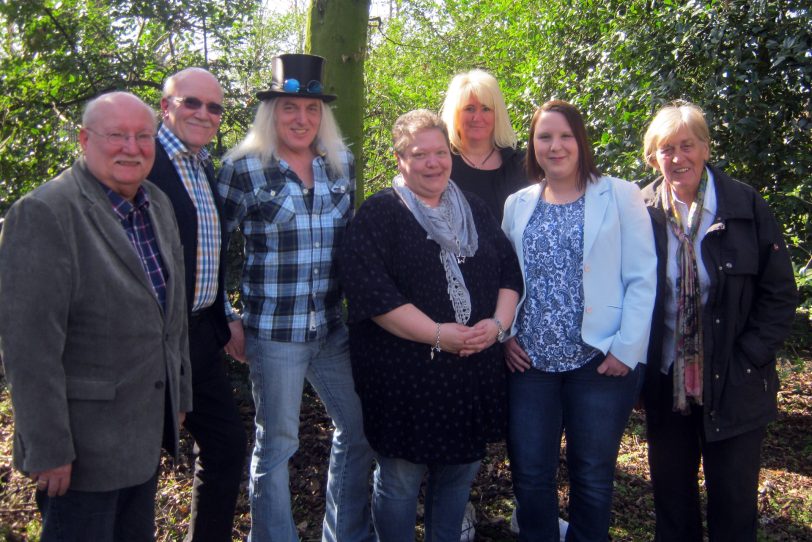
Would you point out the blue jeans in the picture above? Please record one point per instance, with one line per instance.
(121, 515)
(278, 371)
(394, 499)
(593, 410)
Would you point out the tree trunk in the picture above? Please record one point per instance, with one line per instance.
(337, 30)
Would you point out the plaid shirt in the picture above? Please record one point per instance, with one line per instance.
(191, 172)
(290, 288)
(134, 217)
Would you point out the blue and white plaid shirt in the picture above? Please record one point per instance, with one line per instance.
(290, 288)
(134, 218)
(193, 175)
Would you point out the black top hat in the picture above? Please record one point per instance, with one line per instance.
(297, 75)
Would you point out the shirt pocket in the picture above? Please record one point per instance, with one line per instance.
(275, 204)
(340, 198)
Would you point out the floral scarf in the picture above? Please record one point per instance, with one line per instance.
(688, 355)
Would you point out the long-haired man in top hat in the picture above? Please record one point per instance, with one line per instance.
(289, 186)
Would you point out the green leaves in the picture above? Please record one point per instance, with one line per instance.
(747, 64)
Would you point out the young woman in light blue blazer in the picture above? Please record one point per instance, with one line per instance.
(586, 248)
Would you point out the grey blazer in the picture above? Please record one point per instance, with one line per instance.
(89, 352)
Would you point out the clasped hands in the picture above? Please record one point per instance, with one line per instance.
(467, 340)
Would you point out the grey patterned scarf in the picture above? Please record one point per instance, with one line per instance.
(451, 226)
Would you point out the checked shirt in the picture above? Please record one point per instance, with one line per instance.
(134, 218)
(290, 287)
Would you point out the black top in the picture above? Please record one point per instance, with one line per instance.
(425, 411)
(493, 186)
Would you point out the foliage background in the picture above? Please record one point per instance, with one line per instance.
(748, 63)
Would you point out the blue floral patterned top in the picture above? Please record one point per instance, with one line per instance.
(550, 319)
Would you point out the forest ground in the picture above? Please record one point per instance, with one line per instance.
(785, 485)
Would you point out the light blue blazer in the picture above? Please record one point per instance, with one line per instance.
(619, 264)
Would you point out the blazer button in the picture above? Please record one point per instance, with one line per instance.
(159, 385)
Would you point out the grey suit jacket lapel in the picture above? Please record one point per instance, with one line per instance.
(100, 213)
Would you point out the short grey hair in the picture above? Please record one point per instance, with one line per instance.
(409, 124)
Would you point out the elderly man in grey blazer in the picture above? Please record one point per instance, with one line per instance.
(93, 331)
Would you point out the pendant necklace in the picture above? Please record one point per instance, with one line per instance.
(493, 150)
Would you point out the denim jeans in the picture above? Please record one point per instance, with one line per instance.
(278, 371)
(394, 499)
(122, 515)
(592, 410)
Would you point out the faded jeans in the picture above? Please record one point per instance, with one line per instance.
(394, 499)
(278, 371)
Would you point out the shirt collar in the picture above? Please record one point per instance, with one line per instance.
(175, 147)
(122, 206)
(709, 203)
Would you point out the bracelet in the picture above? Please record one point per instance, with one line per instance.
(500, 331)
(436, 347)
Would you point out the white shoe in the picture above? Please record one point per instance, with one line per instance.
(563, 525)
(468, 524)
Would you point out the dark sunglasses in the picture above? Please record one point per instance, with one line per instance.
(190, 102)
(293, 85)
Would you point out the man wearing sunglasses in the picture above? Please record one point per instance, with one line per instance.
(289, 187)
(191, 110)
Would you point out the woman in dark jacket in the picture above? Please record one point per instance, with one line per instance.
(725, 302)
(483, 144)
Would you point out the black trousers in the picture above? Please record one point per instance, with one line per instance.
(731, 467)
(220, 438)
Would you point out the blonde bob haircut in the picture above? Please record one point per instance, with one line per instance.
(262, 139)
(668, 121)
(410, 124)
(485, 88)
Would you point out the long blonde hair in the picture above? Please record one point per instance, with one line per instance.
(262, 139)
(485, 88)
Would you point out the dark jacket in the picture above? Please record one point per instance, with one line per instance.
(749, 312)
(166, 177)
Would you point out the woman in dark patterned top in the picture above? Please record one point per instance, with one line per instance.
(484, 158)
(431, 283)
(586, 248)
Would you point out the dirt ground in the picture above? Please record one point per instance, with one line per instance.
(785, 489)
